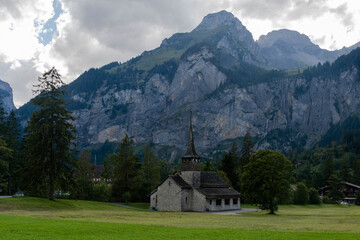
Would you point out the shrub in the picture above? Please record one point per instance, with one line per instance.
(357, 200)
(102, 192)
(314, 197)
(327, 200)
(301, 194)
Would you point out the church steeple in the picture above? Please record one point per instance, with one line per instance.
(191, 160)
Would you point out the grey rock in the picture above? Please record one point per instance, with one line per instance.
(6, 96)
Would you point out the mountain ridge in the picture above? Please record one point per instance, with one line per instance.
(149, 96)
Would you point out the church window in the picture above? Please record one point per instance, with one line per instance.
(218, 202)
(169, 183)
(227, 201)
(235, 201)
(186, 200)
(210, 202)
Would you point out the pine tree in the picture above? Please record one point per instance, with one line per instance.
(2, 119)
(12, 138)
(149, 172)
(335, 193)
(5, 153)
(126, 167)
(328, 167)
(49, 158)
(84, 186)
(247, 150)
(229, 165)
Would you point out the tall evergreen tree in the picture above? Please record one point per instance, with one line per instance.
(49, 139)
(5, 153)
(126, 168)
(84, 187)
(247, 150)
(229, 165)
(345, 171)
(149, 172)
(328, 167)
(2, 119)
(12, 138)
(335, 192)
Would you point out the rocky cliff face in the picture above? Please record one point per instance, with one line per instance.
(159, 112)
(211, 71)
(6, 96)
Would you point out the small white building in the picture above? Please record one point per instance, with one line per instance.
(193, 190)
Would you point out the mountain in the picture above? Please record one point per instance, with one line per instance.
(219, 72)
(287, 49)
(6, 96)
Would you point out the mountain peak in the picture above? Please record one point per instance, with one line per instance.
(214, 20)
(290, 36)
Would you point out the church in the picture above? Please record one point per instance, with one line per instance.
(193, 190)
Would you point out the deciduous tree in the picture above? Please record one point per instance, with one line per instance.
(266, 179)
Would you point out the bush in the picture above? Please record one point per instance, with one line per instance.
(301, 194)
(327, 200)
(314, 197)
(102, 192)
(357, 200)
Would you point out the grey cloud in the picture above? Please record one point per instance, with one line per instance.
(20, 79)
(10, 8)
(347, 19)
(105, 31)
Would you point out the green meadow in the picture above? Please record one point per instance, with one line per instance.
(34, 218)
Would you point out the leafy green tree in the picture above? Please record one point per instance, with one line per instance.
(149, 173)
(314, 197)
(208, 166)
(84, 187)
(126, 168)
(335, 193)
(301, 194)
(223, 176)
(229, 165)
(247, 150)
(49, 138)
(266, 179)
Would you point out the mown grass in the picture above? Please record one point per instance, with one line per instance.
(19, 227)
(92, 218)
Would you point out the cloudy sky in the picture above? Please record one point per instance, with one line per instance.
(77, 35)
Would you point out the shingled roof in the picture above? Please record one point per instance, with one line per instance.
(211, 179)
(219, 192)
(179, 181)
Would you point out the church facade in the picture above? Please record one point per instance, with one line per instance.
(192, 189)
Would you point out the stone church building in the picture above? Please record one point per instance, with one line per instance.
(192, 189)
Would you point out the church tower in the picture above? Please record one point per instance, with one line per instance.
(191, 160)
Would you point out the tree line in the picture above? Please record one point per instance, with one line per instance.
(42, 161)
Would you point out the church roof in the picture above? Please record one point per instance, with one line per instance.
(217, 192)
(211, 179)
(179, 181)
(190, 151)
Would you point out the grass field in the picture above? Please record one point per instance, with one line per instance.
(32, 218)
